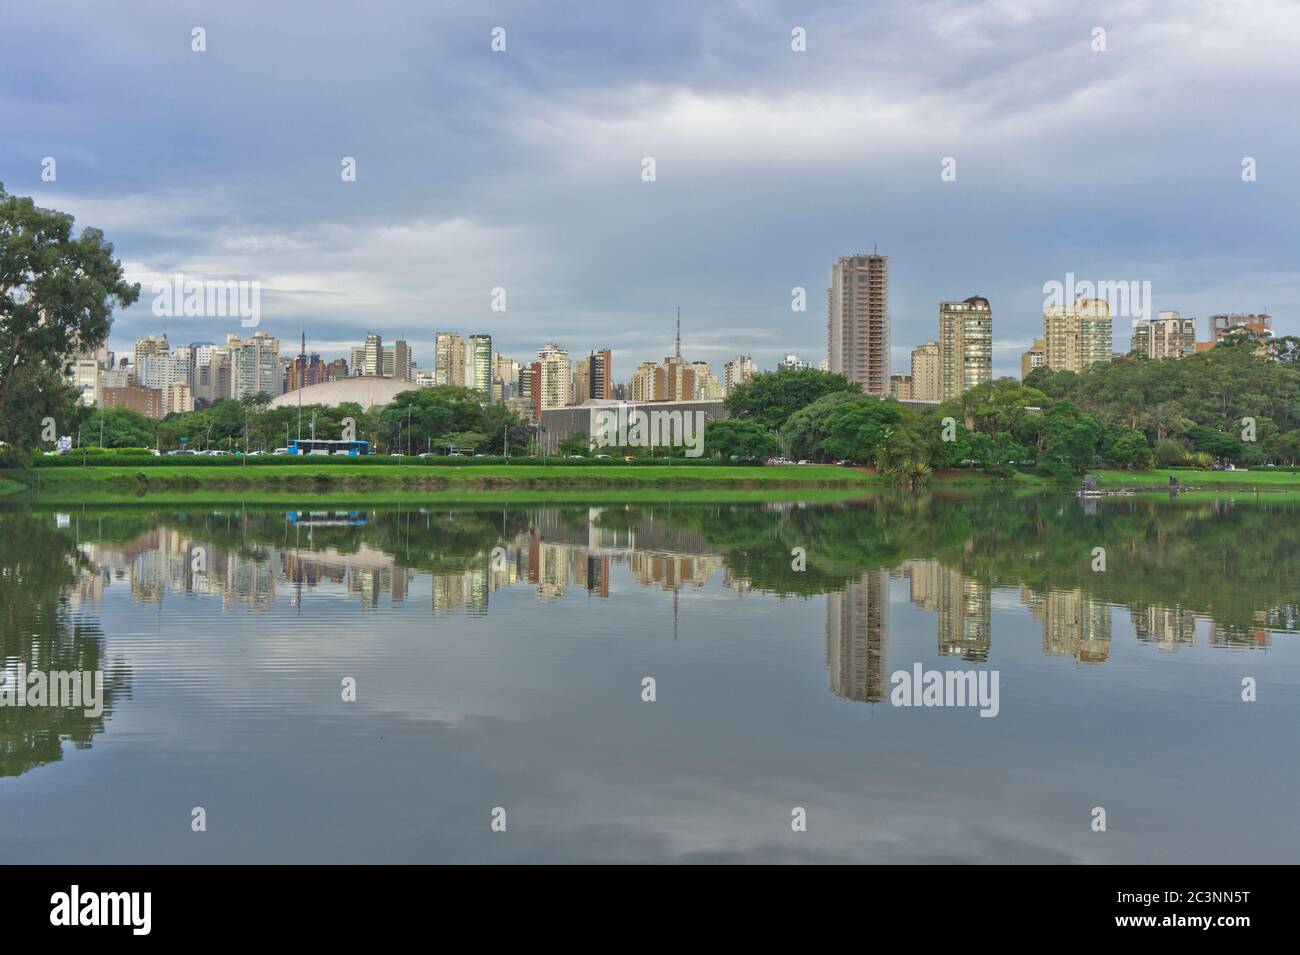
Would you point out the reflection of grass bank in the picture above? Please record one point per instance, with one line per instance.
(345, 500)
(537, 483)
(367, 477)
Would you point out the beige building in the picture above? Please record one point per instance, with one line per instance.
(254, 365)
(965, 346)
(177, 398)
(900, 386)
(1035, 357)
(704, 385)
(737, 371)
(449, 359)
(672, 380)
(926, 370)
(556, 374)
(857, 321)
(1168, 335)
(1076, 336)
(374, 355)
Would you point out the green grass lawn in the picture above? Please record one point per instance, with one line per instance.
(1270, 478)
(289, 482)
(333, 476)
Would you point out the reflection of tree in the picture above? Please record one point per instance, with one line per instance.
(38, 568)
(1238, 563)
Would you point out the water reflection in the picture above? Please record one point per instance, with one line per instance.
(1171, 565)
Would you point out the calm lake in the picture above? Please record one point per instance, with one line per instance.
(655, 682)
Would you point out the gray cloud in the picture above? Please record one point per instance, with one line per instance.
(522, 169)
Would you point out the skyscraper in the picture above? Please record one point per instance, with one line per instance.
(556, 377)
(449, 359)
(737, 371)
(374, 360)
(1035, 357)
(254, 365)
(594, 378)
(478, 363)
(965, 346)
(926, 377)
(857, 321)
(1076, 336)
(1168, 335)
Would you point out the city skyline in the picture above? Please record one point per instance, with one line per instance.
(542, 194)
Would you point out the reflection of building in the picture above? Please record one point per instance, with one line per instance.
(964, 608)
(856, 632)
(1074, 623)
(1167, 627)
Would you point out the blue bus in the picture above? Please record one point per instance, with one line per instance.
(322, 446)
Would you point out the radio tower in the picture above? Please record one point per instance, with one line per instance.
(679, 331)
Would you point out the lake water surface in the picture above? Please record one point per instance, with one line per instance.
(501, 652)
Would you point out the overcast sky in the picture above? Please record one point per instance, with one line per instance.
(523, 169)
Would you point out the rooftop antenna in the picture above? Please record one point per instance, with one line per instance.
(679, 331)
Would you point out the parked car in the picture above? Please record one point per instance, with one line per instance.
(428, 454)
(600, 457)
(280, 451)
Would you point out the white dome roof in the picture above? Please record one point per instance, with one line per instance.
(367, 391)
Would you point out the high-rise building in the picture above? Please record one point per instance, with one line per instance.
(1257, 324)
(1168, 335)
(505, 378)
(254, 365)
(857, 321)
(357, 360)
(374, 357)
(1076, 336)
(555, 386)
(705, 385)
(142, 400)
(478, 363)
(336, 370)
(1258, 327)
(926, 372)
(594, 378)
(793, 363)
(178, 397)
(449, 359)
(965, 346)
(84, 373)
(900, 386)
(151, 346)
(737, 371)
(1035, 357)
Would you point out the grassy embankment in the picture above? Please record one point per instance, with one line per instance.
(377, 481)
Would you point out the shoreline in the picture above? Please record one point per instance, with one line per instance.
(388, 478)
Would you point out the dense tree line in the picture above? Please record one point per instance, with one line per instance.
(1225, 406)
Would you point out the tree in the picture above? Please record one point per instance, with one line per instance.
(1131, 451)
(57, 294)
(731, 437)
(842, 425)
(577, 443)
(771, 398)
